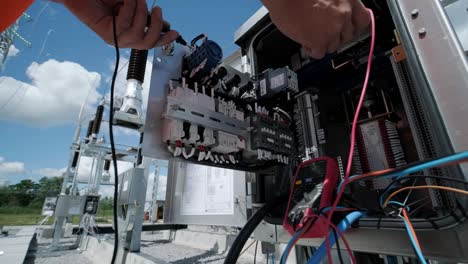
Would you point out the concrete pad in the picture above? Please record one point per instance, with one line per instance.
(16, 247)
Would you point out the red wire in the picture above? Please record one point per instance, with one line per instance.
(405, 215)
(327, 242)
(304, 229)
(348, 248)
(354, 125)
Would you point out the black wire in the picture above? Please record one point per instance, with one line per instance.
(421, 177)
(249, 228)
(111, 136)
(255, 255)
(338, 248)
(306, 253)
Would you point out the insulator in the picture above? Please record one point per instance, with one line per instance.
(137, 65)
(89, 131)
(76, 155)
(98, 119)
(107, 164)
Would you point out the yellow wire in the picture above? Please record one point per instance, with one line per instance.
(424, 187)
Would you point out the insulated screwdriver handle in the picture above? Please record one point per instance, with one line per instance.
(165, 27)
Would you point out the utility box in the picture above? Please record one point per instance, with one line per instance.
(204, 195)
(130, 207)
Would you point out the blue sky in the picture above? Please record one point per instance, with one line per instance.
(42, 87)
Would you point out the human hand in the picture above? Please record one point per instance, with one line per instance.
(131, 22)
(320, 26)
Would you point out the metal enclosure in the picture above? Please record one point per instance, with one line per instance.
(203, 195)
(437, 63)
(131, 201)
(439, 67)
(70, 205)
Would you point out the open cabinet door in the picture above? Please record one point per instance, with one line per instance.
(205, 195)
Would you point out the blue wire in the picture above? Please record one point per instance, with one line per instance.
(342, 226)
(289, 245)
(400, 204)
(424, 166)
(326, 209)
(391, 260)
(413, 241)
(420, 167)
(283, 257)
(435, 163)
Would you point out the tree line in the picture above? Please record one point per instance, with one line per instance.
(28, 193)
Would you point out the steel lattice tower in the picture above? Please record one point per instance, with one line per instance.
(8, 36)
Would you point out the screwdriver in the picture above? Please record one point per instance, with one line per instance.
(166, 27)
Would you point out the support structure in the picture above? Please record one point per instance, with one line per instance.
(8, 36)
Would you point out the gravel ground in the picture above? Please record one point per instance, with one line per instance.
(157, 246)
(43, 255)
(178, 254)
(65, 257)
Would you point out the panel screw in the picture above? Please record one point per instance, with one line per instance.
(415, 13)
(422, 32)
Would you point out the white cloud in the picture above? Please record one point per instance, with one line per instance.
(51, 172)
(13, 51)
(52, 97)
(11, 167)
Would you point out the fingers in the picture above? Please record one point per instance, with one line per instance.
(153, 34)
(136, 32)
(360, 18)
(139, 36)
(317, 52)
(167, 38)
(126, 14)
(334, 44)
(347, 33)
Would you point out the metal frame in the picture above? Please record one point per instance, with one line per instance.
(177, 110)
(165, 68)
(440, 68)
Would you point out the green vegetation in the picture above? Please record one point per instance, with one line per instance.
(21, 204)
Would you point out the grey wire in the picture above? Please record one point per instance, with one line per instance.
(407, 196)
(11, 97)
(255, 255)
(243, 251)
(419, 207)
(409, 193)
